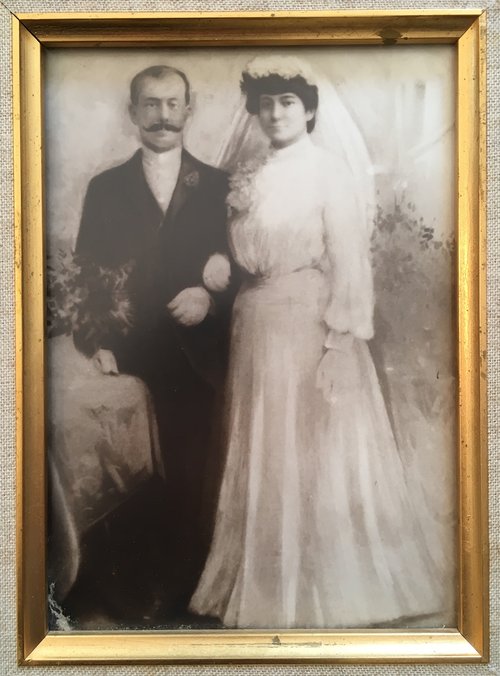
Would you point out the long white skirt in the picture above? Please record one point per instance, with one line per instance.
(314, 525)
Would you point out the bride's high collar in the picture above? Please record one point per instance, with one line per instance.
(297, 147)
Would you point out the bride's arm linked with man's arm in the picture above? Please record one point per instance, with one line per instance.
(189, 308)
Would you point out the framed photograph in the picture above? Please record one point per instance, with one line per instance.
(251, 379)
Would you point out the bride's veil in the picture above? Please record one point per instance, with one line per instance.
(335, 131)
(243, 141)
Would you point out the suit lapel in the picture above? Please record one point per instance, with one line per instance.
(186, 182)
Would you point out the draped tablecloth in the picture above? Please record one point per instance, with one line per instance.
(102, 446)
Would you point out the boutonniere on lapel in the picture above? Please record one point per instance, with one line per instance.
(192, 179)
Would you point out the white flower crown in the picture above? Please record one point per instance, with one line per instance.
(287, 67)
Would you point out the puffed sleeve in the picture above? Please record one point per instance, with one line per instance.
(347, 239)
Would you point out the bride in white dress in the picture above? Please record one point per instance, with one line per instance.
(314, 526)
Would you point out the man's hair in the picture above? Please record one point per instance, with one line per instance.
(156, 72)
(254, 87)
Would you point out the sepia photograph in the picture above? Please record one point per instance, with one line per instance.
(251, 338)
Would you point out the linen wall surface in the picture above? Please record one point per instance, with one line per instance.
(8, 665)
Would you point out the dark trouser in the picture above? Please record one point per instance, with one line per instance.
(183, 369)
(186, 416)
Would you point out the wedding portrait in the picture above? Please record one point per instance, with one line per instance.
(250, 338)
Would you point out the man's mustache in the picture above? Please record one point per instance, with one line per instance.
(159, 126)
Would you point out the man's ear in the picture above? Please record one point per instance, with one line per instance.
(192, 102)
(132, 111)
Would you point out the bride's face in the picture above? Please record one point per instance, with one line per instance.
(283, 118)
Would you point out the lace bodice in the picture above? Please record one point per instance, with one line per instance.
(296, 208)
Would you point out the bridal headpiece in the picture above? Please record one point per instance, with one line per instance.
(286, 67)
(278, 74)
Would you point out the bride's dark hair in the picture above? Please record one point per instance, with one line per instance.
(272, 84)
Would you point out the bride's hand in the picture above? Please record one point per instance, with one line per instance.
(336, 375)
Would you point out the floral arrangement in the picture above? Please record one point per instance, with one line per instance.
(192, 179)
(241, 185)
(87, 299)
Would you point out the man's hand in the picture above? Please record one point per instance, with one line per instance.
(217, 272)
(105, 362)
(190, 306)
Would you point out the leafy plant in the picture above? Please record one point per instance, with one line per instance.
(414, 290)
(87, 299)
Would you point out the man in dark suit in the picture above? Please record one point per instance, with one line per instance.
(162, 215)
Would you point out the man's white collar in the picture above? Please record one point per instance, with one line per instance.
(168, 157)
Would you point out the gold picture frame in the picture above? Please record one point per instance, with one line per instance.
(34, 33)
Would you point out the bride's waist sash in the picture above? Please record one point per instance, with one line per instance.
(306, 286)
